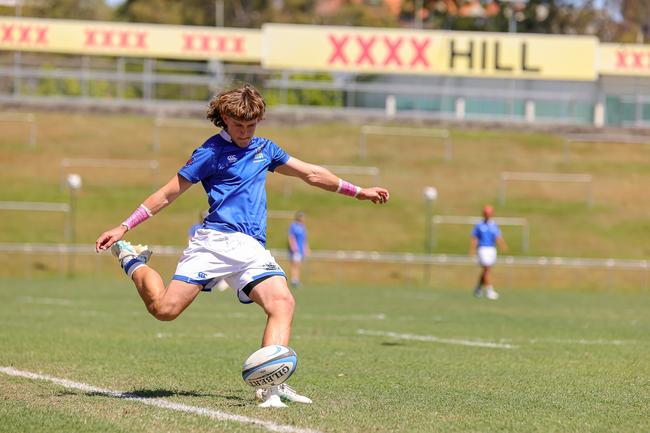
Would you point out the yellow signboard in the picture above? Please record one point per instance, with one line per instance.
(124, 39)
(628, 59)
(382, 51)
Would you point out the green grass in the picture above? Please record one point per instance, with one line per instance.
(581, 357)
(579, 365)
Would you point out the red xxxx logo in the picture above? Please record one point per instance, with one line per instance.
(367, 55)
(636, 57)
(213, 43)
(29, 35)
(115, 39)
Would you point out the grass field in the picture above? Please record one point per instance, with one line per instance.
(564, 350)
(391, 359)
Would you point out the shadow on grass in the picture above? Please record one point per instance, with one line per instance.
(230, 396)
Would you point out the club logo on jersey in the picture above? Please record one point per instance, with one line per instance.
(232, 159)
(259, 157)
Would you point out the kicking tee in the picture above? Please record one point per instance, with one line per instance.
(235, 180)
(486, 233)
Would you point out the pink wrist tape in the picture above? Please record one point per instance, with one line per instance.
(142, 213)
(346, 188)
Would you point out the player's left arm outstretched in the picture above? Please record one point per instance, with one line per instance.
(160, 199)
(323, 178)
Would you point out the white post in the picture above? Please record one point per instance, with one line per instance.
(362, 143)
(502, 190)
(391, 106)
(530, 111)
(460, 108)
(599, 114)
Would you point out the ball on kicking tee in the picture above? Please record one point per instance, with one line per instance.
(268, 366)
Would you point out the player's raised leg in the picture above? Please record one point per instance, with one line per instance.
(164, 303)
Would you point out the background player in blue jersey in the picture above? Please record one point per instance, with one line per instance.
(298, 246)
(231, 167)
(486, 235)
(199, 224)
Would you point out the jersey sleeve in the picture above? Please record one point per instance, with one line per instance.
(199, 166)
(277, 155)
(475, 231)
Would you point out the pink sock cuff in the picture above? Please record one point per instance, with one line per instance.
(142, 213)
(346, 188)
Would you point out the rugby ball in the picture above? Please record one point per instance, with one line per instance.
(271, 365)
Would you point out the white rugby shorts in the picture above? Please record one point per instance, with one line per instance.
(237, 258)
(487, 256)
(295, 257)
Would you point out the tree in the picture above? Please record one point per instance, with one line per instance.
(79, 9)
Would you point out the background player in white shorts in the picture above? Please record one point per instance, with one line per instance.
(232, 167)
(486, 235)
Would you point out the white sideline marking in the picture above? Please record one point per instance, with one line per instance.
(580, 341)
(158, 402)
(433, 339)
(46, 301)
(378, 316)
(181, 335)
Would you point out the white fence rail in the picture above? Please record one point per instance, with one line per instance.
(39, 206)
(472, 220)
(602, 138)
(27, 118)
(346, 256)
(583, 178)
(281, 214)
(137, 164)
(434, 133)
(170, 122)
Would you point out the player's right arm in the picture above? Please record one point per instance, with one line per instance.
(323, 178)
(156, 202)
(502, 243)
(293, 245)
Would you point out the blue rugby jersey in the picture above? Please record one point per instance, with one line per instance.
(234, 179)
(486, 233)
(299, 232)
(193, 229)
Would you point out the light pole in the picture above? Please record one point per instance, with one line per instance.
(514, 13)
(74, 184)
(219, 13)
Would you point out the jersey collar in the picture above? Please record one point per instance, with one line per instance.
(223, 134)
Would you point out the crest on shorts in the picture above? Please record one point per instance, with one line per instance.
(271, 266)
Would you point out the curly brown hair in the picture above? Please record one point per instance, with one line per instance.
(242, 103)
